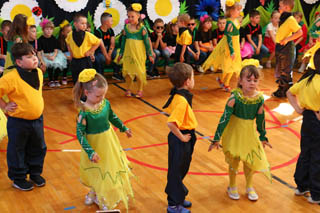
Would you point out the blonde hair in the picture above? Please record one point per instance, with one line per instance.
(78, 90)
(184, 18)
(233, 7)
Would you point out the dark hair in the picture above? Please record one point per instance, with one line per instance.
(105, 15)
(32, 26)
(248, 71)
(221, 18)
(179, 73)
(19, 27)
(289, 3)
(6, 23)
(77, 16)
(254, 13)
(169, 31)
(20, 49)
(62, 38)
(158, 20)
(312, 72)
(130, 9)
(298, 13)
(203, 34)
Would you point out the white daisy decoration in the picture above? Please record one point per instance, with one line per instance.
(310, 1)
(223, 4)
(118, 11)
(30, 8)
(164, 9)
(72, 5)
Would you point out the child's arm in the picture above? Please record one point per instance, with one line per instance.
(294, 36)
(123, 43)
(113, 118)
(183, 50)
(249, 37)
(147, 42)
(176, 131)
(261, 127)
(294, 102)
(272, 35)
(259, 43)
(9, 107)
(229, 39)
(104, 51)
(40, 54)
(70, 51)
(92, 50)
(54, 54)
(111, 47)
(214, 42)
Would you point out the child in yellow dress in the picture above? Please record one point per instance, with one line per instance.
(135, 43)
(103, 163)
(227, 54)
(237, 131)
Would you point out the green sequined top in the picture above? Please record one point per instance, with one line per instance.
(244, 108)
(97, 121)
(234, 32)
(314, 31)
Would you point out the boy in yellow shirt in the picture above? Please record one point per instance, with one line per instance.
(182, 138)
(81, 45)
(26, 146)
(184, 39)
(289, 30)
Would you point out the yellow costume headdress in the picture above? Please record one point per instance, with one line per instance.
(31, 21)
(64, 23)
(174, 20)
(310, 53)
(230, 3)
(136, 7)
(87, 75)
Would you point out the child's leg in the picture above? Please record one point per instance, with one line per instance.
(50, 74)
(129, 82)
(248, 174)
(226, 77)
(140, 85)
(56, 74)
(233, 169)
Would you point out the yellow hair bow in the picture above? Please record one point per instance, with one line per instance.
(31, 21)
(63, 23)
(174, 20)
(136, 7)
(250, 61)
(230, 3)
(87, 75)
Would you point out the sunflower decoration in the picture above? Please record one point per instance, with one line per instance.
(72, 5)
(164, 9)
(223, 4)
(30, 8)
(208, 7)
(118, 11)
(310, 1)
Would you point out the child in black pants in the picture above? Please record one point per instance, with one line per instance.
(26, 146)
(181, 139)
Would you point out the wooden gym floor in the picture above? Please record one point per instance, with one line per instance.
(147, 150)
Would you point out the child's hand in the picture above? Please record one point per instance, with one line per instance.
(128, 133)
(92, 58)
(214, 145)
(10, 107)
(299, 110)
(95, 158)
(181, 59)
(284, 42)
(258, 51)
(185, 138)
(88, 53)
(266, 143)
(151, 59)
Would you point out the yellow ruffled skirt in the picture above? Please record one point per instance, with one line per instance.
(110, 177)
(220, 57)
(240, 140)
(134, 60)
(3, 125)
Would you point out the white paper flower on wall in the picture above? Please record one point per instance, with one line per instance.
(223, 4)
(164, 9)
(118, 11)
(72, 5)
(13, 7)
(310, 1)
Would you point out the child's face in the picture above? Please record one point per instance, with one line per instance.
(5, 31)
(235, 13)
(255, 20)
(28, 62)
(81, 24)
(133, 17)
(108, 22)
(32, 34)
(249, 84)
(222, 24)
(283, 7)
(190, 82)
(96, 95)
(66, 30)
(207, 25)
(175, 29)
(47, 32)
(158, 27)
(275, 18)
(298, 18)
(88, 29)
(192, 24)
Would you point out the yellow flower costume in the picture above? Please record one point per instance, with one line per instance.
(3, 125)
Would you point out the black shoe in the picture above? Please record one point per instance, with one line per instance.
(279, 94)
(186, 204)
(23, 185)
(38, 180)
(155, 74)
(149, 75)
(117, 76)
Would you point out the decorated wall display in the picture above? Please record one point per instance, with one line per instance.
(72, 5)
(30, 8)
(164, 9)
(223, 4)
(118, 11)
(208, 7)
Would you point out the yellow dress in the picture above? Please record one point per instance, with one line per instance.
(133, 51)
(3, 125)
(110, 177)
(220, 56)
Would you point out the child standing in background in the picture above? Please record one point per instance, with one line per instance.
(5, 27)
(184, 39)
(65, 29)
(135, 43)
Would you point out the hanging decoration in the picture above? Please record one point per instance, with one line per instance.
(208, 7)
(223, 4)
(164, 9)
(118, 11)
(30, 8)
(72, 5)
(310, 1)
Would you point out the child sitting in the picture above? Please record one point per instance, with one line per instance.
(270, 36)
(219, 32)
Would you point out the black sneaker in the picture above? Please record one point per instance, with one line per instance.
(23, 185)
(156, 74)
(117, 76)
(149, 75)
(38, 180)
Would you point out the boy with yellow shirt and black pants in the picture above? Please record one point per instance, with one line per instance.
(26, 146)
(81, 45)
(182, 138)
(289, 30)
(307, 174)
(184, 39)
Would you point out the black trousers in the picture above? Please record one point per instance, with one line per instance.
(307, 174)
(177, 54)
(77, 65)
(53, 74)
(179, 159)
(26, 147)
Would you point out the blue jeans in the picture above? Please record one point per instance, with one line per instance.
(203, 56)
(100, 62)
(263, 50)
(164, 53)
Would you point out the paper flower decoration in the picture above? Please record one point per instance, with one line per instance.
(87, 75)
(310, 1)
(208, 7)
(27, 7)
(72, 5)
(118, 11)
(164, 9)
(223, 4)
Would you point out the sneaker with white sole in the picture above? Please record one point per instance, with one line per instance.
(233, 193)
(64, 81)
(300, 193)
(310, 200)
(268, 64)
(23, 185)
(57, 84)
(252, 195)
(51, 84)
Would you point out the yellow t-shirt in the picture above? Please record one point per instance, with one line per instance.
(287, 28)
(181, 113)
(308, 95)
(89, 41)
(184, 37)
(29, 100)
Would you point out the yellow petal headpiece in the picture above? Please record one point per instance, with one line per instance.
(230, 3)
(87, 75)
(136, 7)
(250, 61)
(31, 21)
(174, 20)
(63, 23)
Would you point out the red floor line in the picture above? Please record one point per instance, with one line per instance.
(148, 146)
(59, 131)
(272, 114)
(68, 141)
